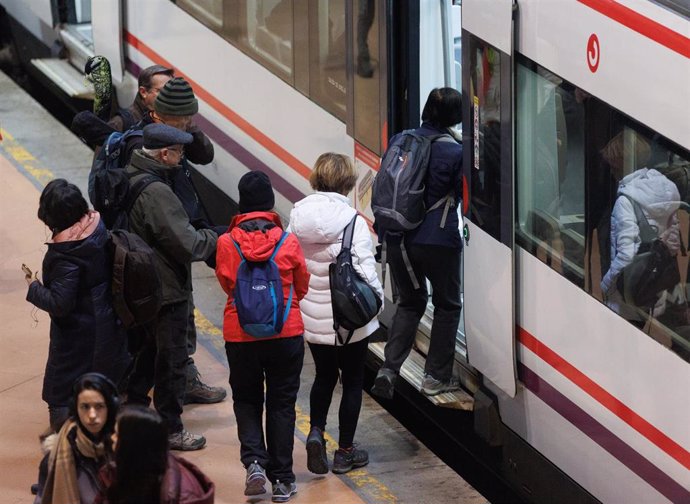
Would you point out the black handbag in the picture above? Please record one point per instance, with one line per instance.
(653, 268)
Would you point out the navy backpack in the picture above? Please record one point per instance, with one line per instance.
(259, 296)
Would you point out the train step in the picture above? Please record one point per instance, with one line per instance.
(65, 76)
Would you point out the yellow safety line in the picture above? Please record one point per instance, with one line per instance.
(27, 161)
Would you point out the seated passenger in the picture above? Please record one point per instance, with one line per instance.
(318, 221)
(85, 332)
(144, 470)
(69, 470)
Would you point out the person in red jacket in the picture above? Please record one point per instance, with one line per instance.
(275, 360)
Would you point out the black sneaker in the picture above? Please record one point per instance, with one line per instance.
(256, 479)
(282, 492)
(344, 461)
(317, 460)
(197, 392)
(384, 384)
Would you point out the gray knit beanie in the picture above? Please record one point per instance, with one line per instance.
(176, 98)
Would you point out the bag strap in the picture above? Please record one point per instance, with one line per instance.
(647, 232)
(347, 234)
(136, 189)
(278, 245)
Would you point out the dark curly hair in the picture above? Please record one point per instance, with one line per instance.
(61, 205)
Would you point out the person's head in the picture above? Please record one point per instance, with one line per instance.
(61, 205)
(165, 143)
(140, 443)
(333, 173)
(151, 81)
(175, 104)
(443, 107)
(94, 405)
(626, 152)
(256, 192)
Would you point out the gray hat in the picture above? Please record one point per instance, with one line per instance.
(176, 98)
(158, 136)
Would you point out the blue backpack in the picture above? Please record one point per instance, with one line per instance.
(259, 295)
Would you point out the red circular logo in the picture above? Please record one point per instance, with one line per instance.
(593, 52)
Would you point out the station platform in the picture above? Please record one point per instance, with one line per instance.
(35, 148)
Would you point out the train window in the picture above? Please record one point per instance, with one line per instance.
(209, 12)
(327, 56)
(582, 168)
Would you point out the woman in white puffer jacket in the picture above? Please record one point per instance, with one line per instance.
(318, 222)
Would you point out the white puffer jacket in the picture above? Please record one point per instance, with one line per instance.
(659, 199)
(318, 222)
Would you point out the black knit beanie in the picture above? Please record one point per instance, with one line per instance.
(256, 193)
(176, 98)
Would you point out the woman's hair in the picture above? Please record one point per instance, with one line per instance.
(333, 173)
(103, 385)
(61, 205)
(443, 108)
(141, 456)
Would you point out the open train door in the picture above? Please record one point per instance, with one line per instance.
(489, 306)
(107, 18)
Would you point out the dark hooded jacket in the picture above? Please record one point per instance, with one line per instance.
(159, 218)
(85, 333)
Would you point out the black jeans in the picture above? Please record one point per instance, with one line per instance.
(280, 362)
(161, 363)
(328, 360)
(441, 265)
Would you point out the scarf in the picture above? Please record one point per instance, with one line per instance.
(61, 485)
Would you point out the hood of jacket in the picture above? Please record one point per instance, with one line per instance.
(321, 217)
(142, 163)
(653, 191)
(257, 234)
(85, 238)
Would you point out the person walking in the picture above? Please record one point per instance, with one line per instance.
(274, 362)
(157, 215)
(433, 252)
(318, 222)
(85, 332)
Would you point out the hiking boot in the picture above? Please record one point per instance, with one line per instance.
(431, 386)
(347, 460)
(282, 492)
(186, 441)
(256, 479)
(384, 384)
(317, 460)
(197, 392)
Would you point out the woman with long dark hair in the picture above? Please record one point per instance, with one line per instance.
(144, 471)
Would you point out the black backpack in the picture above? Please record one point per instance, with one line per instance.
(354, 301)
(108, 183)
(136, 285)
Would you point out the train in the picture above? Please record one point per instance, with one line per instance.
(583, 402)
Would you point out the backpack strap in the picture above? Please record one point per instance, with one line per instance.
(136, 189)
(448, 199)
(272, 258)
(648, 233)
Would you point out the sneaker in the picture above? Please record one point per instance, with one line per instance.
(317, 460)
(186, 441)
(384, 384)
(431, 386)
(347, 460)
(282, 492)
(256, 479)
(197, 392)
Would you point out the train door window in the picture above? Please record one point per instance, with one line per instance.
(327, 56)
(551, 174)
(209, 12)
(367, 75)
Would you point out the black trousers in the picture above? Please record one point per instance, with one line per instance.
(278, 363)
(331, 361)
(441, 265)
(161, 363)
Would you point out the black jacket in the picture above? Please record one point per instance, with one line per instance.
(85, 333)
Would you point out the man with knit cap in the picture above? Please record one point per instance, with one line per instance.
(158, 216)
(273, 362)
(175, 105)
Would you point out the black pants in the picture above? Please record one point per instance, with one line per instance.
(328, 360)
(279, 362)
(161, 363)
(441, 265)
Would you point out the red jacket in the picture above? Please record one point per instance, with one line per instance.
(258, 246)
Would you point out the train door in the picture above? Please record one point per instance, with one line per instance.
(488, 202)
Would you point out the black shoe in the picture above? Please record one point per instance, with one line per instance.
(317, 460)
(34, 489)
(344, 460)
(364, 68)
(384, 384)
